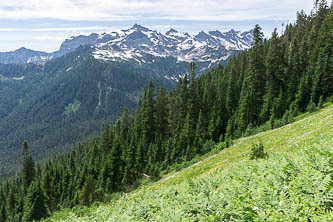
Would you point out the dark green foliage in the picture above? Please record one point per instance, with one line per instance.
(28, 167)
(66, 101)
(87, 195)
(321, 103)
(311, 107)
(3, 214)
(35, 204)
(257, 151)
(262, 88)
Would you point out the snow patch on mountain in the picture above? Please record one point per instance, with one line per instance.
(139, 42)
(141, 45)
(18, 78)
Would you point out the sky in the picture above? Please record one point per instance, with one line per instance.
(44, 24)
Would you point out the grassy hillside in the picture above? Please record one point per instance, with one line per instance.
(294, 183)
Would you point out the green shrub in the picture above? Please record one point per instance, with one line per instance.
(208, 146)
(257, 151)
(81, 211)
(288, 117)
(321, 103)
(311, 107)
(329, 99)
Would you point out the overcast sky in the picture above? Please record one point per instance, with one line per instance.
(45, 24)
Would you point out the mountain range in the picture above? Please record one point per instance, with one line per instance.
(141, 45)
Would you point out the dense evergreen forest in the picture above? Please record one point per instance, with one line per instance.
(66, 100)
(267, 85)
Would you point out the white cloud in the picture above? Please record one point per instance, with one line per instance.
(44, 24)
(56, 29)
(203, 10)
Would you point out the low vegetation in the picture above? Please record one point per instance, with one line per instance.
(293, 184)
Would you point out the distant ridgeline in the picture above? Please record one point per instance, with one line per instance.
(268, 84)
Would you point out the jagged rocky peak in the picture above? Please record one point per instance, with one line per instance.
(140, 28)
(216, 33)
(139, 42)
(171, 31)
(202, 36)
(21, 49)
(248, 35)
(232, 31)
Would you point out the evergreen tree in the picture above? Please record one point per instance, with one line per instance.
(116, 164)
(275, 76)
(148, 122)
(88, 191)
(125, 127)
(28, 168)
(11, 202)
(162, 113)
(232, 88)
(34, 205)
(253, 90)
(3, 215)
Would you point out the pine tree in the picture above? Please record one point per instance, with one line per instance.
(148, 123)
(11, 202)
(28, 168)
(2, 213)
(47, 187)
(254, 86)
(126, 123)
(88, 190)
(162, 113)
(257, 72)
(35, 203)
(324, 68)
(311, 107)
(193, 101)
(116, 164)
(232, 88)
(303, 94)
(275, 76)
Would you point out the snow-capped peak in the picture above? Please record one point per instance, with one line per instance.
(137, 42)
(140, 28)
(171, 31)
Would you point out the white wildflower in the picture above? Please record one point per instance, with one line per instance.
(255, 208)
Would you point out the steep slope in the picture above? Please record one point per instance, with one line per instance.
(293, 183)
(15, 82)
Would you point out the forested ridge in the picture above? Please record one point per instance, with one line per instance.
(265, 86)
(65, 101)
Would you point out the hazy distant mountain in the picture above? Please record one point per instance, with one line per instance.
(24, 55)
